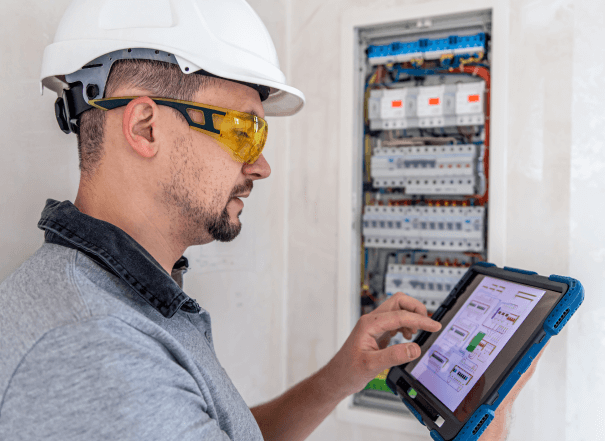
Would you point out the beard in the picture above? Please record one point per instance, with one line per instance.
(195, 220)
(220, 226)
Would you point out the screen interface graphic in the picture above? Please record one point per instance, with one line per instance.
(474, 337)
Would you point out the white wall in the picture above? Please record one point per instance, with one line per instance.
(553, 190)
(37, 160)
(538, 214)
(585, 412)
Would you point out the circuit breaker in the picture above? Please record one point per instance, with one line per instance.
(444, 170)
(425, 111)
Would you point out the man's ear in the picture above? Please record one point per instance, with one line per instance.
(138, 124)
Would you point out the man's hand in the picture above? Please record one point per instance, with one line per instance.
(500, 426)
(364, 355)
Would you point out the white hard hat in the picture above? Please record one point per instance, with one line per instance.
(223, 38)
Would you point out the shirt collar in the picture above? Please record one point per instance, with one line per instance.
(117, 252)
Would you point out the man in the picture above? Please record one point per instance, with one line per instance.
(97, 340)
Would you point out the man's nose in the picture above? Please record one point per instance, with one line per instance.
(260, 169)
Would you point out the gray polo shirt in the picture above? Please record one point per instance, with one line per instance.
(98, 342)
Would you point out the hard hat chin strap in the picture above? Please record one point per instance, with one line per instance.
(89, 83)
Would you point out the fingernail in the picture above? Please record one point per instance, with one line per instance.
(412, 351)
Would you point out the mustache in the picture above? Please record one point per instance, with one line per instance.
(246, 187)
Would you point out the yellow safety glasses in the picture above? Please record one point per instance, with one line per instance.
(240, 134)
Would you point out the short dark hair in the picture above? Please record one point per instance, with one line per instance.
(159, 78)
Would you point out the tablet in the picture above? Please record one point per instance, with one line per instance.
(494, 323)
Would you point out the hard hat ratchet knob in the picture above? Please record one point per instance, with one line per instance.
(92, 91)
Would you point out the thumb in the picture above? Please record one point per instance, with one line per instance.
(397, 354)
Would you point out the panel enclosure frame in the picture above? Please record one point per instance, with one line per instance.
(350, 154)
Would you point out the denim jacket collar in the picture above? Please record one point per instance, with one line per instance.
(117, 252)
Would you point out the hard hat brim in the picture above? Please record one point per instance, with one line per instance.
(286, 101)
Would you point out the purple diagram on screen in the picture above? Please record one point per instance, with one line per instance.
(474, 337)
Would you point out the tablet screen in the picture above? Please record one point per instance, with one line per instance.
(473, 338)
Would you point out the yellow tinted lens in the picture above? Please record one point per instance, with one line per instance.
(245, 135)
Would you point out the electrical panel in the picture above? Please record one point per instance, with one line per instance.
(424, 108)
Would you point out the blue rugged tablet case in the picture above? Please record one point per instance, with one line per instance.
(556, 320)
